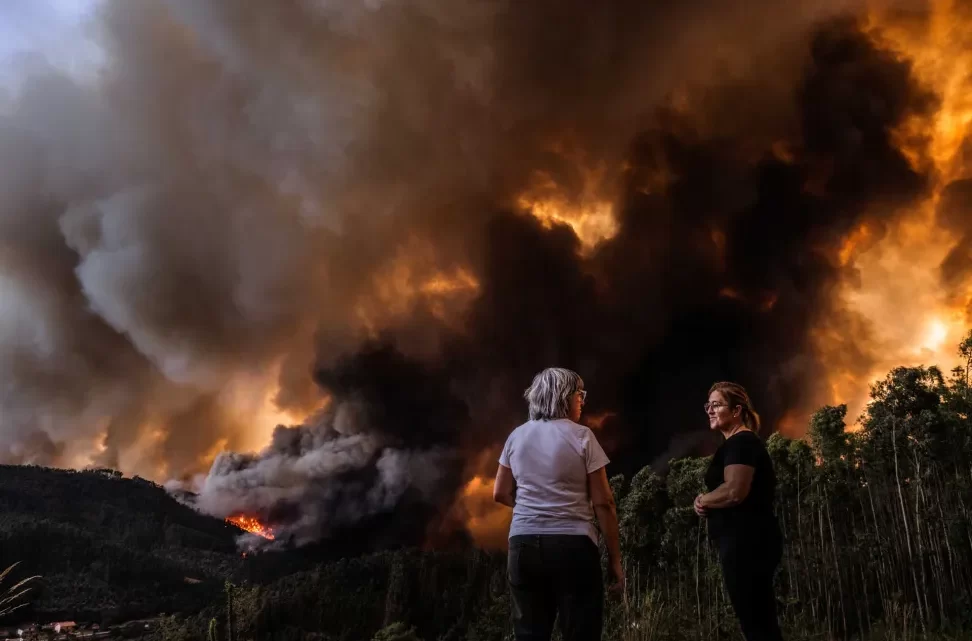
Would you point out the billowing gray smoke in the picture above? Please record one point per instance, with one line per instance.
(322, 479)
(386, 444)
(319, 200)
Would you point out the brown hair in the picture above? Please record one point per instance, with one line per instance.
(735, 394)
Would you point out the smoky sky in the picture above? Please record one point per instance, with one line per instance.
(259, 191)
(953, 213)
(666, 308)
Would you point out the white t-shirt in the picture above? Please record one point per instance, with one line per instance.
(550, 462)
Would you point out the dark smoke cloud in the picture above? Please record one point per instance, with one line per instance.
(648, 320)
(955, 214)
(259, 192)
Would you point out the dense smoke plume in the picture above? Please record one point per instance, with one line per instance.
(260, 212)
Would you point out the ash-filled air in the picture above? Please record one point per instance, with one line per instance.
(373, 222)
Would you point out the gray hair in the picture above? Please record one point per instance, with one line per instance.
(549, 395)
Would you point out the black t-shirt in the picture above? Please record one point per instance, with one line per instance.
(754, 516)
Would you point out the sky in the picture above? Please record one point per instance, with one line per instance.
(59, 30)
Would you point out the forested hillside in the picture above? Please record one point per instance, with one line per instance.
(109, 547)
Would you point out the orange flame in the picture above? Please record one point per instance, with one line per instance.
(584, 202)
(251, 524)
(415, 275)
(593, 222)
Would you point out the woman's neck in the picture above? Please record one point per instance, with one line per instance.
(734, 429)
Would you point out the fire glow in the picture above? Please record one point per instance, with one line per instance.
(586, 207)
(592, 223)
(252, 525)
(486, 521)
(896, 291)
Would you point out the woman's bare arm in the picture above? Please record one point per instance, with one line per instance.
(503, 486)
(733, 491)
(605, 508)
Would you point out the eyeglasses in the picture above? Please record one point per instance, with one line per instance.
(714, 405)
(583, 394)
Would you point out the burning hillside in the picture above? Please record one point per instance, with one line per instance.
(252, 525)
(311, 281)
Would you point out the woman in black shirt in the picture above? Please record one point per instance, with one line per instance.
(739, 508)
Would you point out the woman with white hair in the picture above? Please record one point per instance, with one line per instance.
(552, 473)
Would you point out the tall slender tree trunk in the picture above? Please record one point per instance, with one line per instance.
(904, 517)
(840, 587)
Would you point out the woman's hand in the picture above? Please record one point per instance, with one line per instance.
(617, 577)
(699, 508)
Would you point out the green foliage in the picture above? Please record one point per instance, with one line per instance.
(638, 517)
(493, 621)
(618, 486)
(965, 350)
(397, 631)
(686, 478)
(171, 628)
(828, 435)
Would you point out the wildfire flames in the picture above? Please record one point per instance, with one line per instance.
(252, 525)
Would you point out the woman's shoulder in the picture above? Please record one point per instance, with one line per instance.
(746, 435)
(746, 439)
(521, 427)
(565, 424)
(568, 424)
(582, 433)
(528, 427)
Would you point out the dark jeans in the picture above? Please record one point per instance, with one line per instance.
(748, 566)
(552, 574)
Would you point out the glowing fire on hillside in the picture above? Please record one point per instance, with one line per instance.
(251, 525)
